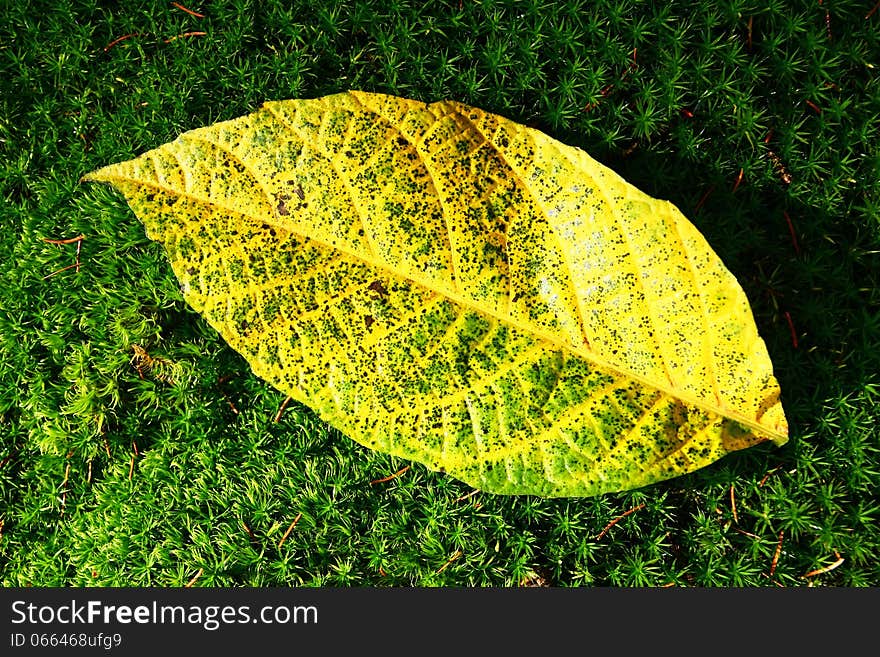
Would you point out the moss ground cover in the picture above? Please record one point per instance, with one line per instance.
(136, 448)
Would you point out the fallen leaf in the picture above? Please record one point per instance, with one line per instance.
(448, 286)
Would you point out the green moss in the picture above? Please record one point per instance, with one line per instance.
(678, 98)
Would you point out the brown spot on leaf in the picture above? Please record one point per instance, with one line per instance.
(281, 208)
(378, 288)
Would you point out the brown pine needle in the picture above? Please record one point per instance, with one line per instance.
(58, 271)
(185, 35)
(776, 554)
(462, 498)
(131, 468)
(281, 410)
(704, 197)
(89, 477)
(220, 381)
(733, 505)
(229, 401)
(739, 178)
(448, 561)
(794, 241)
(390, 477)
(188, 11)
(249, 531)
(871, 13)
(745, 533)
(827, 568)
(618, 519)
(194, 578)
(69, 240)
(120, 39)
(289, 529)
(767, 476)
(64, 484)
(794, 340)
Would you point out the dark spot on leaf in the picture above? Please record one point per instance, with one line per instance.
(282, 206)
(378, 288)
(368, 320)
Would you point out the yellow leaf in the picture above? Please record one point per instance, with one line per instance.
(451, 287)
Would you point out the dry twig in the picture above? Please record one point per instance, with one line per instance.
(188, 11)
(281, 410)
(462, 498)
(185, 35)
(390, 477)
(619, 518)
(704, 198)
(733, 505)
(194, 578)
(827, 568)
(794, 340)
(448, 561)
(736, 183)
(776, 554)
(289, 529)
(120, 39)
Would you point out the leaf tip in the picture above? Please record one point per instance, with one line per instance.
(93, 176)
